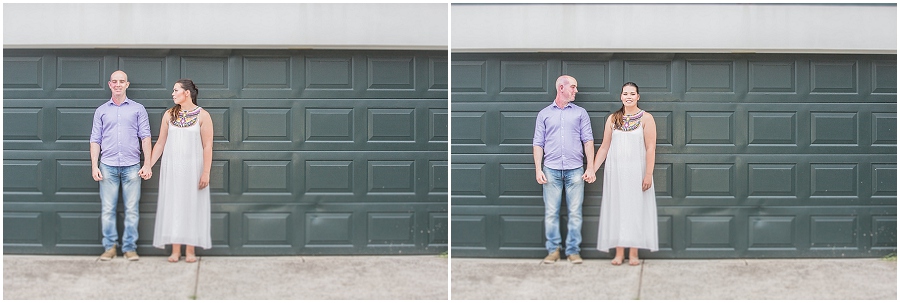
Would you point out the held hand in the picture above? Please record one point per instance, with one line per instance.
(95, 173)
(541, 179)
(648, 180)
(589, 177)
(146, 173)
(204, 181)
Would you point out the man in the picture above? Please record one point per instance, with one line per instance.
(561, 132)
(121, 131)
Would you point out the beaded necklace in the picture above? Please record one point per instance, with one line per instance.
(187, 118)
(631, 122)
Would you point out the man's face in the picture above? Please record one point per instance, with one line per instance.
(569, 89)
(118, 83)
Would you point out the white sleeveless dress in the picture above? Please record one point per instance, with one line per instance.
(627, 213)
(182, 212)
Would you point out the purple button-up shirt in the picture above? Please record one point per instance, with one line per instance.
(119, 130)
(562, 132)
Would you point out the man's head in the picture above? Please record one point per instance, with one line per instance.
(118, 83)
(566, 88)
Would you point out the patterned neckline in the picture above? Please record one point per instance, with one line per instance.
(187, 118)
(631, 122)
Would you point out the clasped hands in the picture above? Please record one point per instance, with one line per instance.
(146, 173)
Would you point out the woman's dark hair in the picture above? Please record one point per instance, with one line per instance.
(617, 115)
(188, 85)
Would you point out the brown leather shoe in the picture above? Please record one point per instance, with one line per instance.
(132, 256)
(575, 259)
(109, 254)
(552, 257)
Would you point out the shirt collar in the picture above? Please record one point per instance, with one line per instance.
(112, 102)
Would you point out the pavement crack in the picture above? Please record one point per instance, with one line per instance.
(640, 280)
(196, 280)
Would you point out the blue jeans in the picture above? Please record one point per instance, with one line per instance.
(557, 181)
(127, 177)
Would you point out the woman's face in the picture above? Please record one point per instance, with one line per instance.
(630, 96)
(180, 96)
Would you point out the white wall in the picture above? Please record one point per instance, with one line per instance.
(764, 28)
(295, 26)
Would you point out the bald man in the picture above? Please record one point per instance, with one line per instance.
(120, 132)
(562, 131)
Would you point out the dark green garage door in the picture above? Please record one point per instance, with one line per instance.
(316, 152)
(758, 155)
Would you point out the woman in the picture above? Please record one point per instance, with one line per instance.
(628, 207)
(185, 145)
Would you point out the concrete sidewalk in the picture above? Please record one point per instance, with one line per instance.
(232, 278)
(750, 279)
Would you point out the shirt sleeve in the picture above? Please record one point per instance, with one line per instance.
(587, 133)
(143, 124)
(539, 128)
(96, 128)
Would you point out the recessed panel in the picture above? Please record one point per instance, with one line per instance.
(884, 77)
(219, 177)
(469, 128)
(830, 180)
(834, 128)
(392, 124)
(772, 180)
(438, 125)
(884, 180)
(884, 232)
(329, 177)
(710, 180)
(23, 176)
(829, 232)
(145, 72)
(592, 77)
(80, 73)
(523, 77)
(709, 232)
(221, 119)
(392, 176)
(74, 123)
(267, 229)
(710, 128)
(78, 228)
(329, 230)
(469, 231)
(329, 125)
(23, 123)
(710, 77)
(517, 127)
(468, 179)
(773, 128)
(439, 231)
(469, 76)
(651, 76)
(772, 77)
(218, 227)
(329, 73)
(662, 179)
(518, 180)
(267, 124)
(833, 77)
(267, 73)
(522, 232)
(884, 129)
(70, 177)
(663, 127)
(392, 73)
(438, 172)
(267, 176)
(22, 227)
(23, 73)
(665, 232)
(771, 232)
(206, 72)
(391, 229)
(437, 74)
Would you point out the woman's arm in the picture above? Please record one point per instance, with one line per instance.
(649, 126)
(604, 146)
(206, 139)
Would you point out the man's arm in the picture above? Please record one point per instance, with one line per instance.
(95, 161)
(538, 158)
(589, 172)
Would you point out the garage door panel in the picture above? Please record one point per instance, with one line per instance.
(297, 133)
(757, 155)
